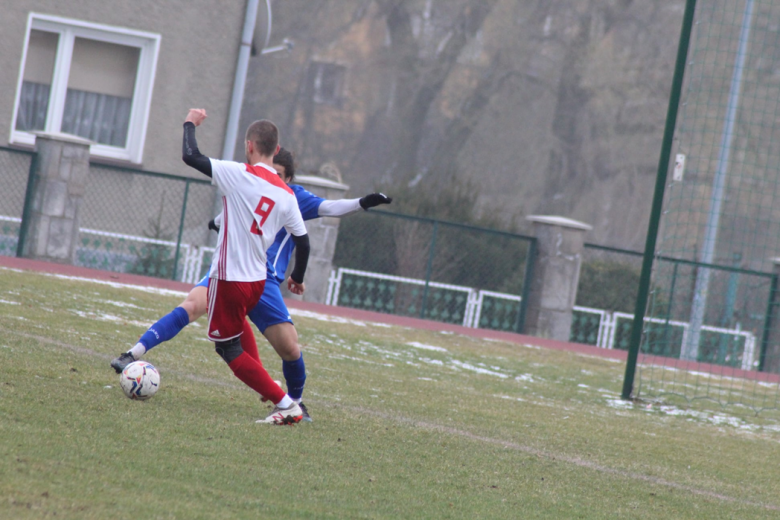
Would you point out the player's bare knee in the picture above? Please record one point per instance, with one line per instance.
(289, 351)
(229, 350)
(196, 304)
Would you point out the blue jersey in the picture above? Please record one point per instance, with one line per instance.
(280, 252)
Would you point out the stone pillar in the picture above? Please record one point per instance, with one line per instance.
(559, 245)
(60, 178)
(322, 237)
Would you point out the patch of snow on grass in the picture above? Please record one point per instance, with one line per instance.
(121, 304)
(111, 318)
(325, 317)
(510, 398)
(478, 370)
(426, 347)
(620, 404)
(152, 290)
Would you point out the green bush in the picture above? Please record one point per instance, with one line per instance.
(608, 285)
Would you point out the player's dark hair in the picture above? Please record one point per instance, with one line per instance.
(264, 135)
(285, 158)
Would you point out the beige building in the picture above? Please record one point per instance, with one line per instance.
(120, 73)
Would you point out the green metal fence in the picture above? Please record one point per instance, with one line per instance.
(14, 171)
(607, 293)
(432, 269)
(131, 220)
(144, 222)
(715, 223)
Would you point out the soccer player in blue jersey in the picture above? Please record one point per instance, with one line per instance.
(270, 315)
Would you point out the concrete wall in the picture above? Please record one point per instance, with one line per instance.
(196, 64)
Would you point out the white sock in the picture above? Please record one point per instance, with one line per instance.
(286, 402)
(298, 401)
(137, 351)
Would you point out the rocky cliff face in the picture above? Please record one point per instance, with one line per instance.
(548, 107)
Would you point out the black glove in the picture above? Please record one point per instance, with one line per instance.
(374, 199)
(213, 226)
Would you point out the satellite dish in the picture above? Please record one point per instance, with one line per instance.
(263, 25)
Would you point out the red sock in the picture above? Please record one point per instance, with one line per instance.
(255, 377)
(248, 342)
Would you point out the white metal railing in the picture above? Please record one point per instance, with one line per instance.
(191, 255)
(474, 298)
(608, 332)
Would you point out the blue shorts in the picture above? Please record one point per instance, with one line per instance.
(270, 310)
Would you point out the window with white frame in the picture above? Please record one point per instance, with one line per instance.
(89, 80)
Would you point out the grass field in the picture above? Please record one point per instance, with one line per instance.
(407, 424)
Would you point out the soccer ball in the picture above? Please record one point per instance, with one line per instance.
(139, 380)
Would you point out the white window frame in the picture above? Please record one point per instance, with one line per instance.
(69, 29)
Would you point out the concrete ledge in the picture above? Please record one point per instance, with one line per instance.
(319, 181)
(559, 221)
(68, 138)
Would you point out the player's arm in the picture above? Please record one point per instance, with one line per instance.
(190, 153)
(293, 223)
(341, 207)
(302, 250)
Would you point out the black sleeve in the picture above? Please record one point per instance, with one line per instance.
(190, 153)
(301, 257)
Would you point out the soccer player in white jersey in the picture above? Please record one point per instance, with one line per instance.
(255, 206)
(270, 315)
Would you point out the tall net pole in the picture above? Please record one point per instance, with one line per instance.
(658, 197)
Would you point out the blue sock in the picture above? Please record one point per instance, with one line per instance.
(166, 328)
(295, 375)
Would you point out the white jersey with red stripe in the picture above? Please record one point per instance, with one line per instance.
(256, 205)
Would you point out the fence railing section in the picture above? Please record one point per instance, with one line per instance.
(122, 253)
(403, 296)
(434, 269)
(611, 330)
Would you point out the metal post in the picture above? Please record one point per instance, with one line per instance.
(691, 348)
(428, 271)
(530, 260)
(181, 228)
(658, 199)
(770, 304)
(32, 178)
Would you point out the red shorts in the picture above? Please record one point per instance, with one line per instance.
(229, 303)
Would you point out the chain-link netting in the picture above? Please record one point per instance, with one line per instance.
(131, 221)
(711, 307)
(14, 171)
(431, 269)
